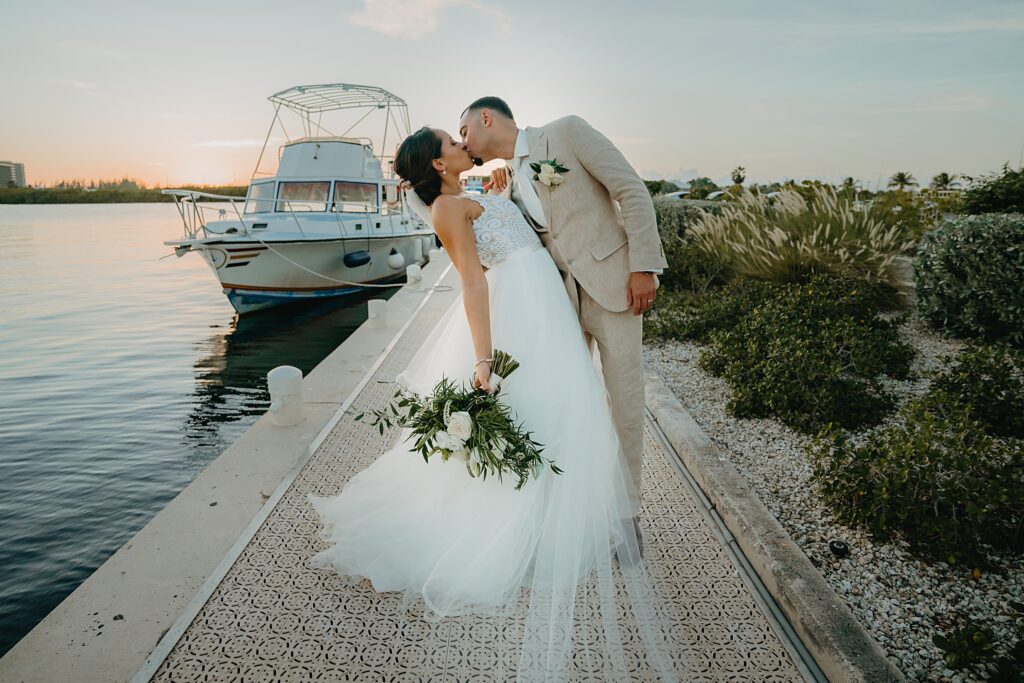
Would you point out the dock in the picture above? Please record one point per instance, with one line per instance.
(216, 587)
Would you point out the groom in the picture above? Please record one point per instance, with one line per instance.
(597, 221)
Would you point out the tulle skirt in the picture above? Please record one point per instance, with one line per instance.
(467, 545)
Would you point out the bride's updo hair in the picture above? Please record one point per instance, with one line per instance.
(413, 163)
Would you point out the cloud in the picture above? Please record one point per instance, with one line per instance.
(80, 48)
(416, 18)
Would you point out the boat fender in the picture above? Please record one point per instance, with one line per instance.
(357, 258)
(395, 260)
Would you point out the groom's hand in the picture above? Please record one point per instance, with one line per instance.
(640, 292)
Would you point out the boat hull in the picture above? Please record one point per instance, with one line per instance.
(255, 274)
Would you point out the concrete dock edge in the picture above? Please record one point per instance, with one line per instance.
(840, 645)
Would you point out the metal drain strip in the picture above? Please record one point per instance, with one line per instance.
(802, 658)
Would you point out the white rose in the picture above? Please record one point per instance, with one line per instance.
(556, 179)
(547, 175)
(460, 425)
(462, 454)
(447, 441)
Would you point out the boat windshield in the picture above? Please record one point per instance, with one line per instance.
(302, 196)
(260, 197)
(353, 197)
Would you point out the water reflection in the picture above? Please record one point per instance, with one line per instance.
(231, 368)
(122, 375)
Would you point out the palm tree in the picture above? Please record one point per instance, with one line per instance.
(902, 180)
(739, 174)
(944, 181)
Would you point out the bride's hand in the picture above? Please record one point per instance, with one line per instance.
(481, 379)
(499, 180)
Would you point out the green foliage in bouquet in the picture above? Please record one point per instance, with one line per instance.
(471, 425)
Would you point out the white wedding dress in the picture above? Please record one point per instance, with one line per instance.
(466, 545)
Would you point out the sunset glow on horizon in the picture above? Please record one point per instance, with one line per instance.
(791, 90)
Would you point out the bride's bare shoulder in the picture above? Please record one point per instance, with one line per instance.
(450, 208)
(446, 203)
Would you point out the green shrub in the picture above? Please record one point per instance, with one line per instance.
(786, 239)
(941, 481)
(656, 187)
(951, 476)
(694, 315)
(1010, 667)
(986, 382)
(996, 192)
(687, 269)
(805, 353)
(969, 276)
(911, 212)
(662, 322)
(966, 646)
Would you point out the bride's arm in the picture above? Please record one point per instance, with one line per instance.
(454, 227)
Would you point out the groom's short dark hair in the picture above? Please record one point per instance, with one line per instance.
(490, 102)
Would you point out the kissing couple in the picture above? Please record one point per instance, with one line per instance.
(558, 259)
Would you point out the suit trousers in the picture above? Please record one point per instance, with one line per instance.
(618, 338)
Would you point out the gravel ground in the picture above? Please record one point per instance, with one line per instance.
(901, 600)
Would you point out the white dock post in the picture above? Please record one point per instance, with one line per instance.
(285, 384)
(377, 308)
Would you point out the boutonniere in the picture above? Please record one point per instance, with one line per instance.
(549, 172)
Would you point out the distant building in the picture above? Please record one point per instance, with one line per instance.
(474, 183)
(943, 194)
(12, 171)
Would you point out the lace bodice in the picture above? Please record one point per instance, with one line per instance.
(501, 229)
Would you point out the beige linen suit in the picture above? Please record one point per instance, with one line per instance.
(600, 226)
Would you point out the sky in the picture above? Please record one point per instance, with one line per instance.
(177, 93)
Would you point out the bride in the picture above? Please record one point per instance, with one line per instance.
(466, 545)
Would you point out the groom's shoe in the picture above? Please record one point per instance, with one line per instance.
(639, 542)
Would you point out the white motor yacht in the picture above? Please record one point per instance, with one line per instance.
(328, 222)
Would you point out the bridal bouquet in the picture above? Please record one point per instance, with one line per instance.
(471, 425)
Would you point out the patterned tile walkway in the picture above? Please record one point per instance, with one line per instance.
(272, 618)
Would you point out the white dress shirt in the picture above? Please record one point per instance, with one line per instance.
(524, 194)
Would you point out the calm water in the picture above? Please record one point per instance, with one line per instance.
(121, 377)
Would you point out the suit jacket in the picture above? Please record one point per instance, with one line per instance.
(601, 217)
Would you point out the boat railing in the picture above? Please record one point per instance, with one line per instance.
(191, 210)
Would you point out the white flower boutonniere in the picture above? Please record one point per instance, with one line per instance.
(549, 172)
